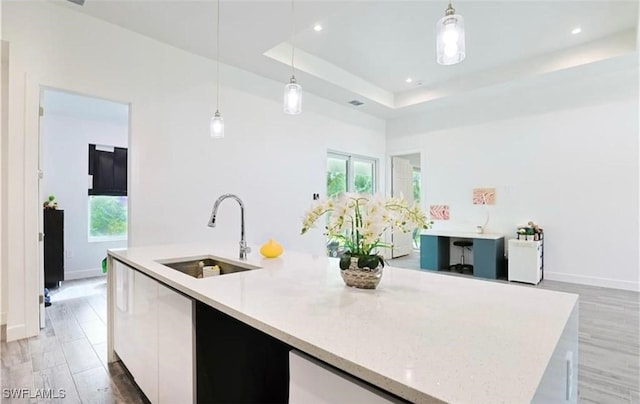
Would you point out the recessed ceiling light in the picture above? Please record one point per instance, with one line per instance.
(576, 30)
(409, 80)
(317, 27)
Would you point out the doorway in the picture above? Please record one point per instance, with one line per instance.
(406, 181)
(83, 163)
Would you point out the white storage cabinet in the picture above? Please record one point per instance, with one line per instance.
(153, 336)
(525, 261)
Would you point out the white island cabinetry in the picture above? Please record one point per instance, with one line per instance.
(176, 350)
(314, 382)
(299, 301)
(153, 336)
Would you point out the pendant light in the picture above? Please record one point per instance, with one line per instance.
(450, 39)
(293, 90)
(216, 128)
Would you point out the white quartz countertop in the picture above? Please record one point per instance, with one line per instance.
(461, 234)
(423, 336)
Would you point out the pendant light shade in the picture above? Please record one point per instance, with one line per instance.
(292, 97)
(450, 38)
(216, 126)
(293, 90)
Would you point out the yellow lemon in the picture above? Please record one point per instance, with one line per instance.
(271, 249)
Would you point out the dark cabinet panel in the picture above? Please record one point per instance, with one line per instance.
(108, 169)
(53, 247)
(235, 363)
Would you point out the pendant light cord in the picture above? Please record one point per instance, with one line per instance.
(218, 59)
(293, 48)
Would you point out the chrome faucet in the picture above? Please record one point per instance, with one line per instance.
(244, 249)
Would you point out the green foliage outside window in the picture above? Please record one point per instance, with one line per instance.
(336, 183)
(336, 176)
(363, 184)
(363, 177)
(416, 198)
(416, 186)
(107, 216)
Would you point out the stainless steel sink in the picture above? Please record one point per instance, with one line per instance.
(193, 266)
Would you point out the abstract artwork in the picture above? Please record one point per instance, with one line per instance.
(484, 196)
(439, 212)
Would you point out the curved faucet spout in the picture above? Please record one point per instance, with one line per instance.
(244, 249)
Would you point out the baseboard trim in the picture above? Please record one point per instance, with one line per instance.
(16, 332)
(85, 273)
(592, 281)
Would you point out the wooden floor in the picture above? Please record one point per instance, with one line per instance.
(70, 353)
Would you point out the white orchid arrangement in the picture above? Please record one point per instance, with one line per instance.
(360, 220)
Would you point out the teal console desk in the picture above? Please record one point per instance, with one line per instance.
(488, 252)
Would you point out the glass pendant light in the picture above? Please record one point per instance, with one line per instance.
(216, 127)
(293, 90)
(292, 97)
(450, 40)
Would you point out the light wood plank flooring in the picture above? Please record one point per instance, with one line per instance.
(70, 353)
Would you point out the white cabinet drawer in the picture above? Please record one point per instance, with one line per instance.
(313, 382)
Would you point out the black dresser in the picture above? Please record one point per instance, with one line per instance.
(53, 247)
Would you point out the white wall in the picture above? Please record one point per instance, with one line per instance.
(65, 141)
(573, 171)
(272, 161)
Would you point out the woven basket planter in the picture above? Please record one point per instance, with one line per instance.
(362, 278)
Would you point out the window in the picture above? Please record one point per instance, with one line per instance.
(336, 175)
(347, 173)
(417, 179)
(107, 218)
(107, 193)
(363, 178)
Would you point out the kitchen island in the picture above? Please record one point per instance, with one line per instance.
(420, 336)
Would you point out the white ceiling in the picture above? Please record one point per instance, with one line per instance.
(368, 48)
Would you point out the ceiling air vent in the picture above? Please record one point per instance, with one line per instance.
(357, 103)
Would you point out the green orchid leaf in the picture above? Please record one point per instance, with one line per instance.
(345, 261)
(368, 261)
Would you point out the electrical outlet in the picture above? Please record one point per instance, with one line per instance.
(68, 253)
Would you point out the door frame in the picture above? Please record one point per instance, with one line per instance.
(41, 234)
(389, 176)
(32, 260)
(43, 90)
(389, 172)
